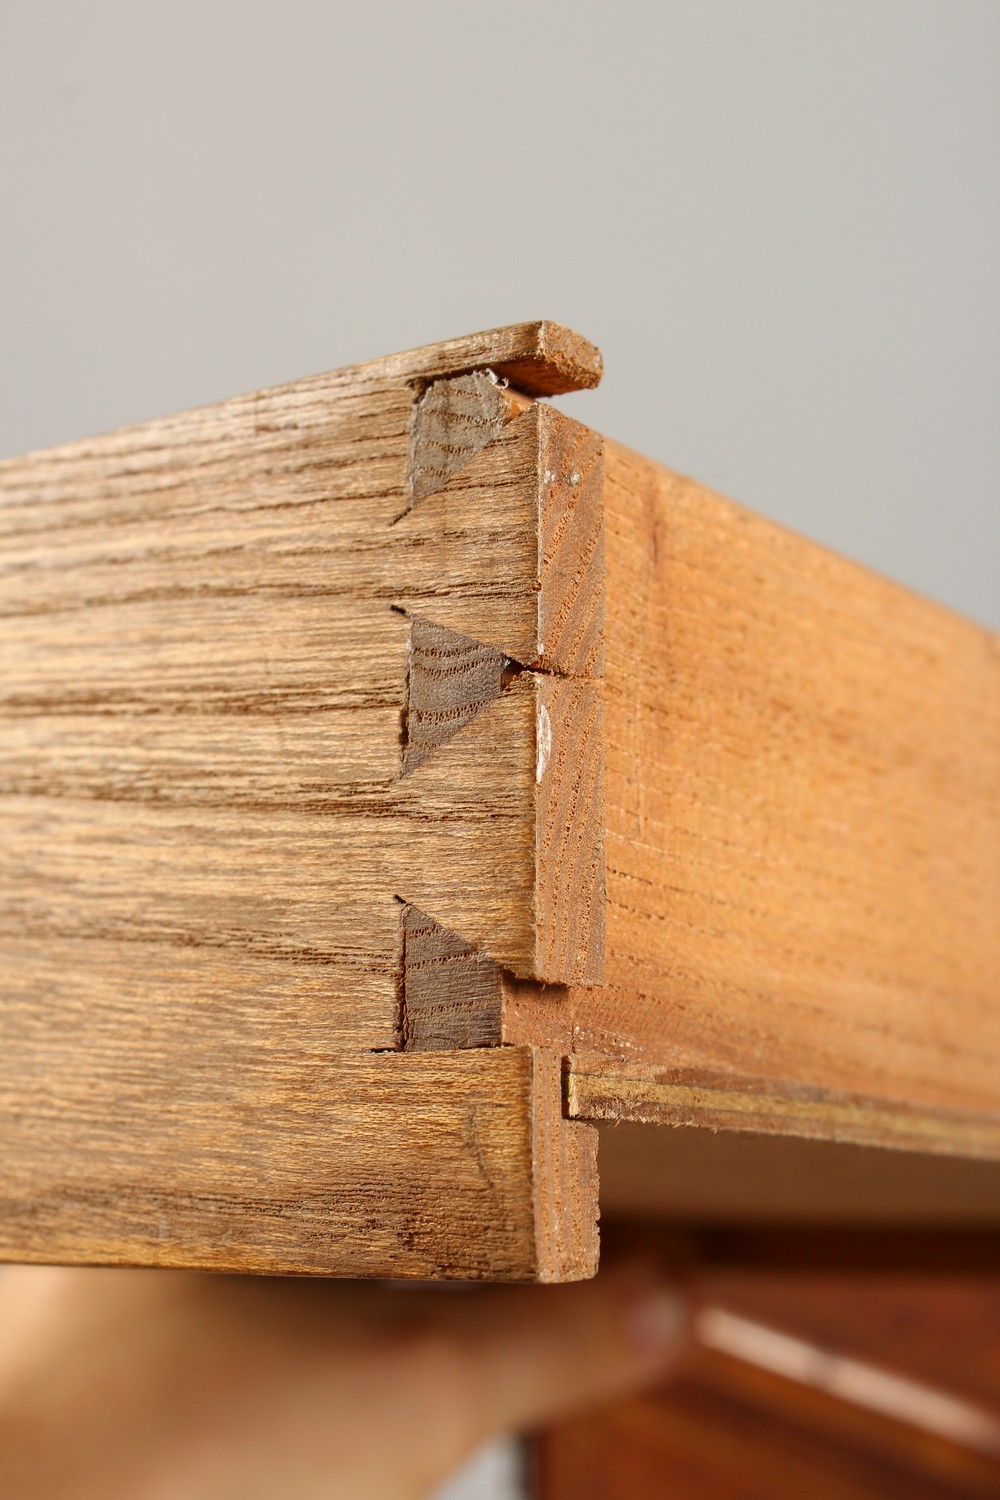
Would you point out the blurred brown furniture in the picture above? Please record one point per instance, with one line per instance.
(842, 1366)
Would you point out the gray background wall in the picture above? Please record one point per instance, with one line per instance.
(779, 218)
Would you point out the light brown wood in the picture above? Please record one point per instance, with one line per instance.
(732, 1103)
(393, 712)
(223, 784)
(252, 1149)
(803, 841)
(692, 1174)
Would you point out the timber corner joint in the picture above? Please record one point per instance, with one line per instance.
(400, 783)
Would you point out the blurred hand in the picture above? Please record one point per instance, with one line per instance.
(167, 1385)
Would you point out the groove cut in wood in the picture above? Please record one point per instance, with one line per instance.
(727, 1103)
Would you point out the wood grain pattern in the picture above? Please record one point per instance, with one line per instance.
(308, 707)
(570, 547)
(265, 1152)
(450, 679)
(732, 1103)
(223, 779)
(450, 995)
(803, 839)
(569, 830)
(455, 418)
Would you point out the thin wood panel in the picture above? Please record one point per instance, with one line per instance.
(803, 839)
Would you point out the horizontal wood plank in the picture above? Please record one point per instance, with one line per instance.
(272, 1152)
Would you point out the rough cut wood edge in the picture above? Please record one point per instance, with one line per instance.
(540, 358)
(453, 1164)
(565, 1180)
(764, 1108)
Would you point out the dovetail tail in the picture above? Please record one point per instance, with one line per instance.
(450, 679)
(454, 419)
(449, 993)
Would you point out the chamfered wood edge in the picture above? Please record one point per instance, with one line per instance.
(767, 1108)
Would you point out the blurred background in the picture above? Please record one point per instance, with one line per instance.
(780, 219)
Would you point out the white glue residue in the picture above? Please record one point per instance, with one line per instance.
(543, 741)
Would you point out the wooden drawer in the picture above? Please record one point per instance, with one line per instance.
(401, 783)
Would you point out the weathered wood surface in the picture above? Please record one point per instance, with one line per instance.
(223, 780)
(803, 841)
